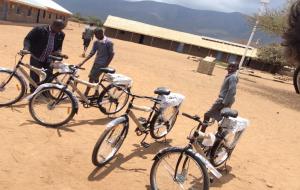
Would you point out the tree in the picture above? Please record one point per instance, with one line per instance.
(272, 54)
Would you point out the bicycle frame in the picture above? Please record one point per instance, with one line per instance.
(73, 81)
(19, 67)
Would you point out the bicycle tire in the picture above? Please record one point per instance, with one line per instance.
(22, 87)
(296, 80)
(74, 106)
(176, 150)
(102, 97)
(101, 139)
(168, 127)
(214, 153)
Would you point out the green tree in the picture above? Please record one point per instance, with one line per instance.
(272, 54)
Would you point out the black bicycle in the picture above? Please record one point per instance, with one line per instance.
(54, 105)
(159, 123)
(13, 86)
(185, 168)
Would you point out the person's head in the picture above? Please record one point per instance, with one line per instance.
(291, 36)
(92, 24)
(57, 26)
(232, 67)
(99, 33)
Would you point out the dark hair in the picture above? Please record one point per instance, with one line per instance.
(98, 30)
(58, 23)
(292, 35)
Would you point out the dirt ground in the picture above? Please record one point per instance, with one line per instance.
(35, 157)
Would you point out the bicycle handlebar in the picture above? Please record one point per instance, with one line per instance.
(195, 117)
(137, 96)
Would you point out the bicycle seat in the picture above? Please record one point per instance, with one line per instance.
(108, 70)
(55, 58)
(227, 112)
(162, 91)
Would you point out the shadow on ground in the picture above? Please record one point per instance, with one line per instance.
(139, 151)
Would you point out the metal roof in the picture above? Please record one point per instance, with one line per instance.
(43, 4)
(159, 32)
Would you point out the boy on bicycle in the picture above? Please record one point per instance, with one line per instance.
(103, 48)
(227, 95)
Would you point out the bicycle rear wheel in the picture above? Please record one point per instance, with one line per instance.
(52, 107)
(162, 123)
(10, 91)
(191, 173)
(108, 144)
(113, 99)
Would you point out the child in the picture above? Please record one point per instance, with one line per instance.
(103, 48)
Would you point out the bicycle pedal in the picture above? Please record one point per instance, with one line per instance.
(145, 145)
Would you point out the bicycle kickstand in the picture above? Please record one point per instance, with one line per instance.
(143, 143)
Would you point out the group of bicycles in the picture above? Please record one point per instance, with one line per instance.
(56, 100)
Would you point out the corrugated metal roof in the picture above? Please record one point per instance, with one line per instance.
(43, 4)
(159, 32)
(53, 5)
(31, 3)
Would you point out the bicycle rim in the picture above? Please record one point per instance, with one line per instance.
(189, 174)
(50, 110)
(12, 91)
(111, 143)
(114, 100)
(165, 122)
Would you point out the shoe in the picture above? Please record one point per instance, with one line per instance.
(83, 55)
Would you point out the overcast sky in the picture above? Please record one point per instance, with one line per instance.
(244, 6)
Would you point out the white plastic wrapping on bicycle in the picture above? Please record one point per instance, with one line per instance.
(62, 67)
(236, 124)
(119, 79)
(173, 99)
(41, 87)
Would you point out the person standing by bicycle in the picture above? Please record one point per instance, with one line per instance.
(41, 42)
(87, 37)
(103, 48)
(226, 97)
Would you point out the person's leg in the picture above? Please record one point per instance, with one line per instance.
(213, 112)
(35, 77)
(93, 77)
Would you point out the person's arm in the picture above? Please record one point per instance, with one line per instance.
(31, 36)
(111, 53)
(92, 53)
(59, 46)
(231, 91)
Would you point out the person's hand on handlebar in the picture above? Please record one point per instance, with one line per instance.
(24, 52)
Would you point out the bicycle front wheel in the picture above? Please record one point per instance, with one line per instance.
(52, 107)
(108, 144)
(12, 88)
(191, 172)
(113, 99)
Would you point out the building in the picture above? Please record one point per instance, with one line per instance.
(32, 11)
(191, 44)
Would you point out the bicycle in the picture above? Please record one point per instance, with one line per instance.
(13, 86)
(159, 123)
(183, 168)
(59, 105)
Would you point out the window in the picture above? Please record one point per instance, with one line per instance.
(18, 10)
(56, 16)
(122, 32)
(44, 14)
(29, 12)
(50, 15)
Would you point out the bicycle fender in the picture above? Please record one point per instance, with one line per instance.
(208, 165)
(116, 122)
(163, 151)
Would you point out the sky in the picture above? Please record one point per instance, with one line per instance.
(243, 6)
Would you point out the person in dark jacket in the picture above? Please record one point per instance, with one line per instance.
(43, 41)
